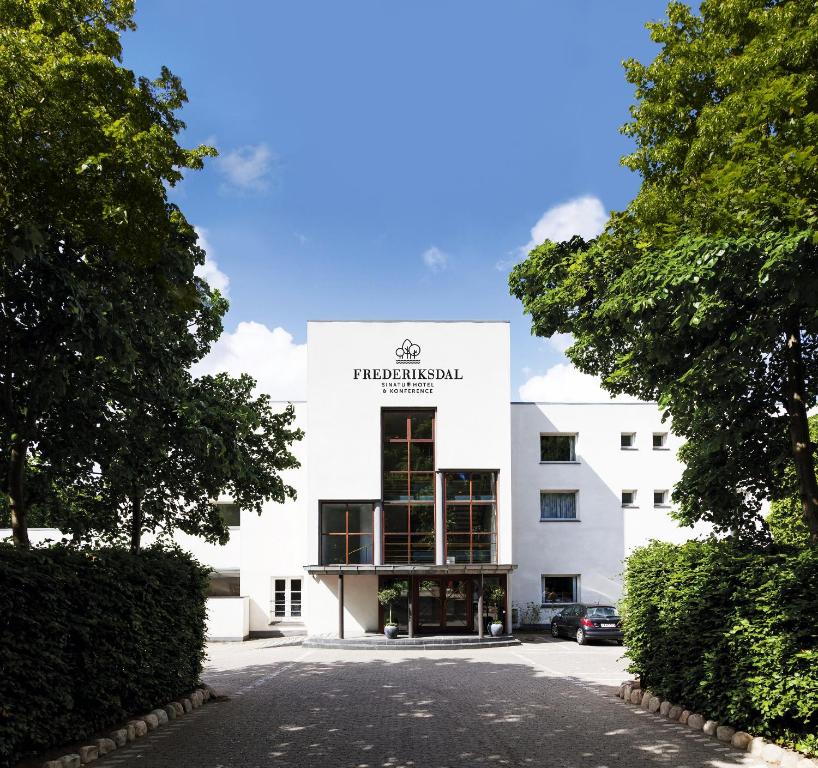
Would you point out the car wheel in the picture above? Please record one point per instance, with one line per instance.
(555, 630)
(581, 640)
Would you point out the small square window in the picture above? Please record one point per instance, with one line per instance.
(628, 498)
(627, 440)
(659, 440)
(659, 498)
(558, 448)
(230, 514)
(559, 589)
(558, 505)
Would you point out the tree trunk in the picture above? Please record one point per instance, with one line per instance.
(136, 521)
(17, 502)
(794, 402)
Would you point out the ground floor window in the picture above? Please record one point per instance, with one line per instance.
(224, 584)
(286, 602)
(559, 589)
(441, 603)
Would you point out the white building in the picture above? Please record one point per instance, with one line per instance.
(417, 470)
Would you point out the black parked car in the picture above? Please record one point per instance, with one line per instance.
(588, 622)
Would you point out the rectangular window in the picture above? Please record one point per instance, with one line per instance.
(559, 589)
(558, 448)
(558, 505)
(230, 513)
(628, 498)
(286, 602)
(408, 460)
(224, 585)
(471, 517)
(659, 440)
(627, 440)
(346, 532)
(660, 498)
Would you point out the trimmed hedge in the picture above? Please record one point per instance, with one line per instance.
(729, 631)
(90, 637)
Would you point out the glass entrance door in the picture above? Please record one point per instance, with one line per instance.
(443, 604)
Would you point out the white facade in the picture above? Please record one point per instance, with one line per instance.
(456, 373)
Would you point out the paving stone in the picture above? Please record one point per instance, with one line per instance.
(695, 722)
(741, 740)
(161, 715)
(725, 733)
(119, 737)
(104, 746)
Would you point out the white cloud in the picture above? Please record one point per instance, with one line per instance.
(561, 341)
(562, 383)
(435, 259)
(583, 216)
(210, 269)
(278, 365)
(246, 168)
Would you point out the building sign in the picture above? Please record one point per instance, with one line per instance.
(409, 376)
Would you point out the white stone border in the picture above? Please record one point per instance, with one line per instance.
(134, 729)
(771, 753)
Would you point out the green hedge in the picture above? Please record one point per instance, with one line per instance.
(729, 631)
(89, 637)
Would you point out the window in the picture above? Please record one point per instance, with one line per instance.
(559, 589)
(230, 513)
(659, 440)
(558, 448)
(286, 599)
(628, 498)
(471, 517)
(660, 498)
(346, 532)
(408, 459)
(224, 584)
(558, 505)
(627, 440)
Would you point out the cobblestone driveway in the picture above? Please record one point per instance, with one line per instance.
(540, 704)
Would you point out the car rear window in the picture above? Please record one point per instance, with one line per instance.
(601, 612)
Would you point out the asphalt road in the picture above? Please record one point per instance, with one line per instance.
(545, 703)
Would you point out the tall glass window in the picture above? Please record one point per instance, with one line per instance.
(346, 532)
(471, 516)
(408, 458)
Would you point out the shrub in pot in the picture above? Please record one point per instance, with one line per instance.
(495, 596)
(387, 598)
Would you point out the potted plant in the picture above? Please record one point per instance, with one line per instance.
(496, 596)
(387, 598)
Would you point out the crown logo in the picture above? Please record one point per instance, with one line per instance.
(407, 352)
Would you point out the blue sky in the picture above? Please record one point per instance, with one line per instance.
(389, 161)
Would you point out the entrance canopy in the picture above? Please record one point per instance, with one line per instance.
(411, 568)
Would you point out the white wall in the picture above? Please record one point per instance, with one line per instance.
(594, 546)
(228, 618)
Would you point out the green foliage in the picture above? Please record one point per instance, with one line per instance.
(730, 631)
(495, 596)
(703, 293)
(785, 521)
(387, 597)
(90, 637)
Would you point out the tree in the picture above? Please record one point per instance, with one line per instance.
(94, 258)
(703, 293)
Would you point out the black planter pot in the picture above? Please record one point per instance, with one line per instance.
(496, 629)
(391, 631)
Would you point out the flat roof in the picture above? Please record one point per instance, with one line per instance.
(411, 568)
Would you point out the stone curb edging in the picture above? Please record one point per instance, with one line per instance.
(134, 729)
(631, 692)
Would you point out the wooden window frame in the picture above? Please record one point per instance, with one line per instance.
(346, 533)
(471, 503)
